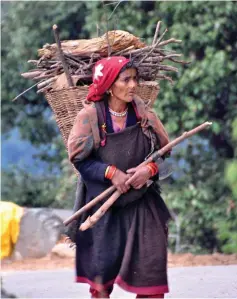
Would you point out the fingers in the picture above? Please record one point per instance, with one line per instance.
(138, 180)
(132, 170)
(122, 187)
(131, 180)
(138, 186)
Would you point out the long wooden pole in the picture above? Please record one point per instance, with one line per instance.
(61, 55)
(100, 212)
(90, 204)
(91, 220)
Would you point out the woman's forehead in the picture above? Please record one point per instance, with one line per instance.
(128, 72)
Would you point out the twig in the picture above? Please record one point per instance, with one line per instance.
(45, 89)
(125, 50)
(98, 29)
(152, 49)
(162, 76)
(162, 36)
(25, 91)
(114, 10)
(46, 76)
(109, 47)
(180, 61)
(171, 40)
(156, 33)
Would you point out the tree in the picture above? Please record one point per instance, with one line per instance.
(23, 33)
(204, 90)
(227, 228)
(198, 194)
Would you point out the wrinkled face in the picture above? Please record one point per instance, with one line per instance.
(124, 87)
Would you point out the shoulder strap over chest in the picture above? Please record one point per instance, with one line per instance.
(92, 114)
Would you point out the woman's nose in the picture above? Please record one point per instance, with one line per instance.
(133, 84)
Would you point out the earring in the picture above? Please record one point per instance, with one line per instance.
(110, 91)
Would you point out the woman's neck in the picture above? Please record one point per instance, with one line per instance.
(117, 105)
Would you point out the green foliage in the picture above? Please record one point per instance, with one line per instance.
(200, 195)
(25, 189)
(231, 171)
(227, 231)
(26, 27)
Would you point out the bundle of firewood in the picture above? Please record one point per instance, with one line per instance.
(81, 55)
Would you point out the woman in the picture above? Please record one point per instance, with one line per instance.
(113, 134)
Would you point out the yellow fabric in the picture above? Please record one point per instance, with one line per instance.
(10, 226)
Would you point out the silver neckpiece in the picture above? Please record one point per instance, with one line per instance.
(119, 114)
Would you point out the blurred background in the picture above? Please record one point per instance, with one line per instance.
(202, 192)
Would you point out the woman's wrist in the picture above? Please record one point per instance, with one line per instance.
(153, 168)
(110, 171)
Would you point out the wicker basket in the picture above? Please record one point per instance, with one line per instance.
(67, 102)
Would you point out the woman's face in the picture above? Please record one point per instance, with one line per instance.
(124, 87)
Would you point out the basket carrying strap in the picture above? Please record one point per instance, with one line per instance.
(93, 118)
(101, 114)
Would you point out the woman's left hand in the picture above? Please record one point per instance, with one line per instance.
(140, 175)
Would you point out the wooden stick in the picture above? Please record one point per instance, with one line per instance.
(171, 40)
(164, 77)
(91, 220)
(180, 61)
(44, 89)
(61, 56)
(98, 29)
(160, 67)
(173, 143)
(107, 38)
(156, 33)
(46, 76)
(147, 54)
(90, 204)
(125, 50)
(158, 59)
(31, 75)
(160, 39)
(46, 82)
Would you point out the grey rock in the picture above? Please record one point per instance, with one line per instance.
(40, 229)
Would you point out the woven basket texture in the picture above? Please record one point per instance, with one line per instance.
(67, 102)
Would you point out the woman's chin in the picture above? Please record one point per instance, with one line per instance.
(129, 98)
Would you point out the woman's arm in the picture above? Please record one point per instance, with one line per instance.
(80, 149)
(91, 169)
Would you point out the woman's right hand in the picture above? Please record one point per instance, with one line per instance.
(119, 179)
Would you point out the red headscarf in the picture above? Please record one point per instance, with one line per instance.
(105, 72)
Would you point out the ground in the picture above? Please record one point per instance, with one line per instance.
(62, 257)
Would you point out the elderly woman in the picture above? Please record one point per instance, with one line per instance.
(112, 135)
